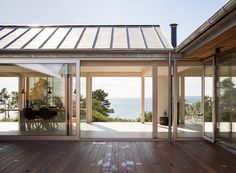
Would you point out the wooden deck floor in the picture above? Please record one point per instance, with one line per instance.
(113, 156)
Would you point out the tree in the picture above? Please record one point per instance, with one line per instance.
(227, 101)
(100, 102)
(8, 101)
(4, 100)
(38, 95)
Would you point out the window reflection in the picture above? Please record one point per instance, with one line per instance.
(226, 89)
(45, 99)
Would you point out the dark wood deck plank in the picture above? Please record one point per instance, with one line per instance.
(97, 165)
(83, 161)
(73, 156)
(136, 158)
(115, 156)
(21, 157)
(121, 157)
(148, 166)
(156, 157)
(92, 157)
(50, 158)
(106, 164)
(209, 157)
(129, 158)
(44, 155)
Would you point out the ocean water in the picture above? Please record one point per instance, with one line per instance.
(192, 99)
(126, 107)
(131, 107)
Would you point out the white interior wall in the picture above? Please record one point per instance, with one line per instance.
(162, 95)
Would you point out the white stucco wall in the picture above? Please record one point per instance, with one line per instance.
(162, 95)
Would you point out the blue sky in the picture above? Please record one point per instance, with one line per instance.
(188, 14)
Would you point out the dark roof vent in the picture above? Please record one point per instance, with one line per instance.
(173, 27)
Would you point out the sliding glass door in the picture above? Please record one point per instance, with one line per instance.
(208, 101)
(226, 105)
(38, 99)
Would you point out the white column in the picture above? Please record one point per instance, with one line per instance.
(175, 99)
(154, 101)
(88, 99)
(142, 99)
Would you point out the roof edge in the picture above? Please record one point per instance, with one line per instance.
(72, 25)
(221, 13)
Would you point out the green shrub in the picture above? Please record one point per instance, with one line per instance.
(9, 120)
(98, 117)
(148, 116)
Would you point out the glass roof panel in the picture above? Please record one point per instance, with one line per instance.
(56, 38)
(72, 38)
(19, 43)
(5, 31)
(41, 38)
(119, 38)
(8, 39)
(136, 38)
(104, 38)
(151, 38)
(88, 38)
(163, 38)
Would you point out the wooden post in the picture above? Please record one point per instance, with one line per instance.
(88, 99)
(77, 87)
(142, 99)
(214, 106)
(70, 97)
(27, 88)
(182, 105)
(175, 99)
(21, 85)
(154, 100)
(67, 100)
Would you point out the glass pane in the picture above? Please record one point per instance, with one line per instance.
(24, 39)
(208, 100)
(163, 38)
(57, 37)
(226, 89)
(189, 105)
(5, 31)
(8, 39)
(151, 38)
(44, 99)
(119, 38)
(135, 38)
(88, 37)
(72, 38)
(41, 38)
(104, 38)
(82, 99)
